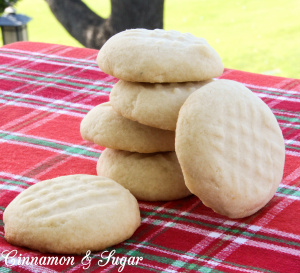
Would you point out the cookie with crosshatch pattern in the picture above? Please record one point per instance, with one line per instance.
(105, 127)
(72, 214)
(230, 148)
(142, 55)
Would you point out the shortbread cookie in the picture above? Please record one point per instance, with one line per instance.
(141, 55)
(149, 177)
(155, 105)
(105, 127)
(72, 214)
(230, 148)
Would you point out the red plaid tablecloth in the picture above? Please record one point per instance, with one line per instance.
(45, 91)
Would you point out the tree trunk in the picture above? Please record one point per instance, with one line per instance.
(92, 30)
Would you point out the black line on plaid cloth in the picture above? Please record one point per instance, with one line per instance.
(277, 93)
(289, 85)
(44, 114)
(26, 64)
(290, 140)
(291, 120)
(29, 121)
(129, 241)
(146, 230)
(237, 229)
(142, 232)
(46, 165)
(287, 191)
(41, 104)
(170, 262)
(67, 76)
(29, 64)
(75, 98)
(165, 228)
(64, 60)
(154, 212)
(259, 215)
(14, 182)
(221, 244)
(242, 233)
(57, 83)
(76, 149)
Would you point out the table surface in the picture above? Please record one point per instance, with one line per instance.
(46, 90)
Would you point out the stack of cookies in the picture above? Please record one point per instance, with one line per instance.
(229, 146)
(157, 71)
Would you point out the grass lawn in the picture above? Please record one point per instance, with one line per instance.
(255, 36)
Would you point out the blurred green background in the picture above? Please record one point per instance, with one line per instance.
(261, 36)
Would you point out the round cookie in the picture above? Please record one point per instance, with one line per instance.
(149, 177)
(105, 127)
(141, 55)
(72, 214)
(230, 148)
(155, 105)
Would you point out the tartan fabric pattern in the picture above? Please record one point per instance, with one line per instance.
(45, 91)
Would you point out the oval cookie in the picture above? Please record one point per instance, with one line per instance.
(155, 105)
(105, 127)
(141, 55)
(230, 148)
(72, 214)
(149, 177)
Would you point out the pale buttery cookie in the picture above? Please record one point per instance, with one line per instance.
(141, 55)
(149, 177)
(230, 148)
(155, 105)
(105, 127)
(72, 214)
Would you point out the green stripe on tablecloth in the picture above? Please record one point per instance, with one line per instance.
(5, 270)
(195, 255)
(53, 80)
(43, 103)
(292, 147)
(226, 229)
(276, 93)
(15, 182)
(56, 75)
(65, 88)
(289, 119)
(286, 111)
(56, 58)
(71, 149)
(288, 125)
(288, 191)
(166, 260)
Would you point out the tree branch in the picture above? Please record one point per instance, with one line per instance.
(92, 30)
